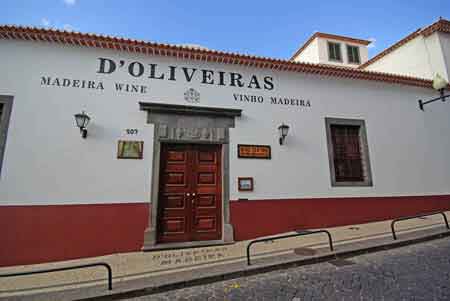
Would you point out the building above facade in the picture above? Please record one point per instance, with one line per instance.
(423, 53)
(325, 48)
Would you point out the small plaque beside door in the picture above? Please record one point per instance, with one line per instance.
(254, 151)
(245, 184)
(130, 149)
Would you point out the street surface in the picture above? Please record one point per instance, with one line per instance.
(416, 272)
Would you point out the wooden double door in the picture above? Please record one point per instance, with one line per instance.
(190, 193)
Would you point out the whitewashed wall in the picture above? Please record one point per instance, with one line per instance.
(421, 57)
(444, 40)
(47, 162)
(310, 54)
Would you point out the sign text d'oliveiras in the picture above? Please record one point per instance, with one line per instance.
(151, 71)
(147, 72)
(204, 76)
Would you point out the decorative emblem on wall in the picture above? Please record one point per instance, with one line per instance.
(205, 134)
(192, 96)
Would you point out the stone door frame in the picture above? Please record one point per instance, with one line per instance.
(195, 125)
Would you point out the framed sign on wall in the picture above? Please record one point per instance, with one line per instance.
(130, 149)
(254, 151)
(245, 184)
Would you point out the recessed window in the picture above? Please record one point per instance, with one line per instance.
(5, 112)
(353, 54)
(348, 152)
(334, 52)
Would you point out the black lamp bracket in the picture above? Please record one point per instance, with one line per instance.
(441, 97)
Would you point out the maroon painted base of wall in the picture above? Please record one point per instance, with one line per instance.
(36, 234)
(253, 219)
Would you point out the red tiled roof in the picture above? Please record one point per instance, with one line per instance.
(441, 25)
(329, 36)
(183, 52)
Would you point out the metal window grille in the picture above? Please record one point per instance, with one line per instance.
(347, 153)
(5, 112)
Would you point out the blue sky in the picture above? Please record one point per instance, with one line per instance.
(265, 28)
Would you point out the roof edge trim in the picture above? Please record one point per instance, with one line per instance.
(214, 56)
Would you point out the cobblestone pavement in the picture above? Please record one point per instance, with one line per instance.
(416, 272)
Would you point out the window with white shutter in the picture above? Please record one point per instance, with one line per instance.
(353, 54)
(334, 52)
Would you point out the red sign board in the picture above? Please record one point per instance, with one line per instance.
(254, 151)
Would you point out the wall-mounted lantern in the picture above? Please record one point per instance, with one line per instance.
(82, 120)
(439, 84)
(283, 129)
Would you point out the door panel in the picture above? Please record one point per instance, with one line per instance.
(206, 178)
(190, 195)
(174, 205)
(173, 225)
(207, 209)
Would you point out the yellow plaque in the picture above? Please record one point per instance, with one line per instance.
(130, 149)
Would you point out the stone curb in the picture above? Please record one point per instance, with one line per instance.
(255, 269)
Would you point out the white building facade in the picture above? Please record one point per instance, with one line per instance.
(183, 148)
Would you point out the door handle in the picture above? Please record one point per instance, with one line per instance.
(188, 194)
(193, 194)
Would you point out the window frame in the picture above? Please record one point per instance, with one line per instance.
(7, 102)
(329, 53)
(348, 54)
(365, 158)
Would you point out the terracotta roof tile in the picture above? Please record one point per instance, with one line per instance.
(151, 48)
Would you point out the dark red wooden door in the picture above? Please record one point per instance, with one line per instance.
(190, 193)
(207, 201)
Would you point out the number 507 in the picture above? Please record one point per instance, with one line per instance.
(131, 131)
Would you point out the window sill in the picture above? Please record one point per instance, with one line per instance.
(352, 184)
